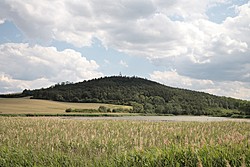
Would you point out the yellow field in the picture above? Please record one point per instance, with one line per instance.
(31, 106)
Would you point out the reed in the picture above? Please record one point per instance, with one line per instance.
(56, 142)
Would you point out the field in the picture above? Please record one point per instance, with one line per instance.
(59, 142)
(34, 106)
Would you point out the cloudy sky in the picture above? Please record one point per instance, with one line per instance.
(201, 45)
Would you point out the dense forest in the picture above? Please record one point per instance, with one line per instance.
(144, 95)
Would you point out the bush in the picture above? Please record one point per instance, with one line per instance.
(240, 116)
(68, 110)
(102, 109)
(247, 116)
(237, 116)
(81, 110)
(137, 107)
(118, 110)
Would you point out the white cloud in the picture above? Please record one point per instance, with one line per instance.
(10, 85)
(234, 89)
(137, 27)
(123, 63)
(48, 20)
(2, 21)
(26, 66)
(173, 34)
(78, 22)
(239, 27)
(172, 78)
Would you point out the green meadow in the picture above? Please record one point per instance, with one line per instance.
(58, 142)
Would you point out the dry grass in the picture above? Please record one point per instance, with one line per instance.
(31, 106)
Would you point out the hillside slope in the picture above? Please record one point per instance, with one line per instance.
(37, 106)
(144, 95)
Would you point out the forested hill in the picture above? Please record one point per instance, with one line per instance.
(144, 95)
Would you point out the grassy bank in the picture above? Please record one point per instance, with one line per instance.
(56, 142)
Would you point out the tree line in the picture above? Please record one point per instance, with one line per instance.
(144, 95)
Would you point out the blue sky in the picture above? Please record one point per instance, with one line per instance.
(198, 45)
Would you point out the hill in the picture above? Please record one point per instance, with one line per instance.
(144, 95)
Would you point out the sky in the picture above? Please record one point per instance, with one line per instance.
(202, 45)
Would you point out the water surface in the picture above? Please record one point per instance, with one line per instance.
(164, 118)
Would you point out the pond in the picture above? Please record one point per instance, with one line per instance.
(163, 118)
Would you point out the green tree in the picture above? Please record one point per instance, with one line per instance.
(102, 109)
(149, 108)
(159, 109)
(137, 108)
(157, 100)
(168, 108)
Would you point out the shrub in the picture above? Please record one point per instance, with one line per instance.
(102, 109)
(118, 110)
(68, 110)
(237, 116)
(81, 110)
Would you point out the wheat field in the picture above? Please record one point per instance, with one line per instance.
(35, 106)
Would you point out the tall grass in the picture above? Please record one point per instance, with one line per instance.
(57, 142)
